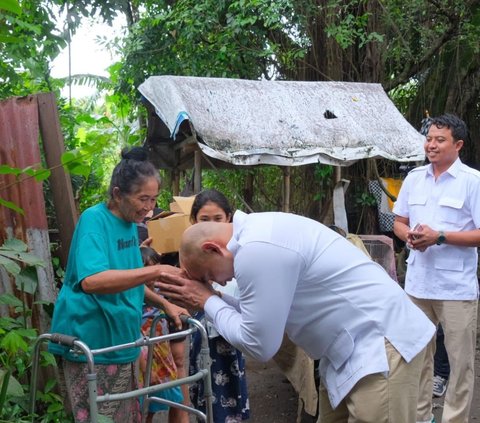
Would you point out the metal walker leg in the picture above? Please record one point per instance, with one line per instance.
(81, 348)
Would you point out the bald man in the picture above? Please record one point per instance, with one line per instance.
(297, 275)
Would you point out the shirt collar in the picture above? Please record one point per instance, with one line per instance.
(453, 170)
(239, 218)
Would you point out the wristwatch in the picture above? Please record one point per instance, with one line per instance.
(441, 238)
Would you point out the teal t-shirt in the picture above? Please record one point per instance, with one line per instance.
(101, 241)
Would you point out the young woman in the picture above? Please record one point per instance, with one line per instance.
(101, 299)
(229, 384)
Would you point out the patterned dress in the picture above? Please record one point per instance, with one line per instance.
(163, 365)
(229, 384)
(111, 378)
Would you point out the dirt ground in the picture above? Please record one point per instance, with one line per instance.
(273, 400)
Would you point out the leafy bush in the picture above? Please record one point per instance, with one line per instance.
(17, 340)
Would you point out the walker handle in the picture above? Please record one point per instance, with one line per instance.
(61, 339)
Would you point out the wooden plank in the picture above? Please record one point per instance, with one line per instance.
(197, 179)
(60, 182)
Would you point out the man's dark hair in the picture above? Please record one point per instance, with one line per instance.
(455, 124)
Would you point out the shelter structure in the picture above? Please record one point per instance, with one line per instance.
(219, 122)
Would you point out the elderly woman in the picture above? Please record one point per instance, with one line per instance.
(104, 289)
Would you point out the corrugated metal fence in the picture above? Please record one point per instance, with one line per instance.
(20, 130)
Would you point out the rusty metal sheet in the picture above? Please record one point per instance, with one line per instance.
(19, 147)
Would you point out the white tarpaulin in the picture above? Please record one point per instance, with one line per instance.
(285, 123)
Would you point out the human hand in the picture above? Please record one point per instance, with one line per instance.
(174, 312)
(184, 291)
(147, 242)
(413, 234)
(150, 285)
(163, 269)
(421, 237)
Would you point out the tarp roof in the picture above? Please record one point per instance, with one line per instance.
(285, 123)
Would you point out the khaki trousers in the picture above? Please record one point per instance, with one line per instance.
(459, 322)
(379, 399)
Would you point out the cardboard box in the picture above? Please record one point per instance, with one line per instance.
(167, 227)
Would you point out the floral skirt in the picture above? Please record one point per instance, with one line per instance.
(111, 378)
(163, 366)
(229, 384)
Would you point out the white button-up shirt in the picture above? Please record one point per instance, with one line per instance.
(450, 204)
(297, 275)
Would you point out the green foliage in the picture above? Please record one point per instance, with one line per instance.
(229, 182)
(58, 269)
(39, 175)
(14, 389)
(403, 95)
(11, 6)
(29, 40)
(11, 205)
(165, 195)
(17, 340)
(107, 10)
(349, 26)
(16, 348)
(267, 186)
(207, 38)
(365, 199)
(95, 134)
(14, 251)
(323, 175)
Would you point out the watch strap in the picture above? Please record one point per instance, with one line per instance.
(441, 238)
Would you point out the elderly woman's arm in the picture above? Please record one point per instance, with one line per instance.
(113, 281)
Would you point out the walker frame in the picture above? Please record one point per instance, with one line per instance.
(80, 348)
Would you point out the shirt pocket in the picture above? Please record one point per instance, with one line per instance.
(449, 264)
(417, 200)
(451, 211)
(416, 206)
(338, 353)
(341, 348)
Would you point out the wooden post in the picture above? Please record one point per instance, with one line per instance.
(175, 181)
(60, 182)
(337, 174)
(197, 179)
(286, 189)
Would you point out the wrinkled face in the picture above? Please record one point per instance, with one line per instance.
(440, 147)
(134, 207)
(210, 267)
(211, 212)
